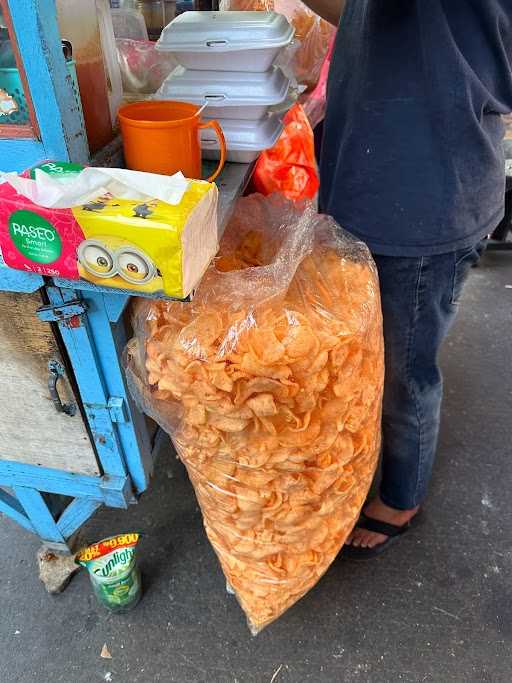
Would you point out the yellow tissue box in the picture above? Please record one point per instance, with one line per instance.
(149, 247)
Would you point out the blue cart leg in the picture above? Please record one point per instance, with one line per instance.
(39, 515)
(33, 510)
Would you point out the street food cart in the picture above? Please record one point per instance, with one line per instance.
(71, 439)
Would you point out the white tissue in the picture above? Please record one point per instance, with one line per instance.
(91, 183)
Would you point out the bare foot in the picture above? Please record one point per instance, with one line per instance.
(376, 509)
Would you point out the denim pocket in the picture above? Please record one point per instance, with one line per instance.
(464, 260)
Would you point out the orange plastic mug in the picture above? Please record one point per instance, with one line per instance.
(163, 137)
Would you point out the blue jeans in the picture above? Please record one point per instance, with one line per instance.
(420, 297)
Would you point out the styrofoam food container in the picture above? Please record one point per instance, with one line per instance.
(228, 94)
(227, 41)
(245, 140)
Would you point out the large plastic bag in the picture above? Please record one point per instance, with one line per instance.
(270, 385)
(313, 34)
(290, 166)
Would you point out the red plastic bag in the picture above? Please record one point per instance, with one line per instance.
(290, 166)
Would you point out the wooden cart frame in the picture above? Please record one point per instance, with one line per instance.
(88, 320)
(94, 334)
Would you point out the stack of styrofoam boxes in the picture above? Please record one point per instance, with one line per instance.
(227, 63)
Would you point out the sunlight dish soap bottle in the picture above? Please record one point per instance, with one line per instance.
(113, 571)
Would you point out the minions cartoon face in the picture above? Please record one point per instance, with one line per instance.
(96, 258)
(134, 265)
(122, 264)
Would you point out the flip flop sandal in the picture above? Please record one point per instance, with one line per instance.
(392, 531)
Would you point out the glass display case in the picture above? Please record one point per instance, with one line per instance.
(71, 438)
(40, 110)
(16, 109)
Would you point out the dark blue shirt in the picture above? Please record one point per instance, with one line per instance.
(412, 158)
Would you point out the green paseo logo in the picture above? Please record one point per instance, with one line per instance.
(34, 237)
(59, 169)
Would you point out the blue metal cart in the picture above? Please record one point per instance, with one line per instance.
(71, 439)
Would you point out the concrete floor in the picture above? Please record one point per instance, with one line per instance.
(437, 607)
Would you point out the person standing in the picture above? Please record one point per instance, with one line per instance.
(412, 164)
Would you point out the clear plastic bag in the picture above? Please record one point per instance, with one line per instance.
(270, 384)
(143, 69)
(314, 103)
(312, 33)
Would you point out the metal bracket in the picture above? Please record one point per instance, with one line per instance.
(56, 372)
(116, 408)
(64, 311)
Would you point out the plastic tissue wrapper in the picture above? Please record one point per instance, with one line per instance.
(128, 230)
(53, 190)
(270, 384)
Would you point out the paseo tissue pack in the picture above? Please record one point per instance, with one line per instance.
(112, 227)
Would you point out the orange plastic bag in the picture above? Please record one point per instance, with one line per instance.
(290, 166)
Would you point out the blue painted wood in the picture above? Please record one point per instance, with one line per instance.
(118, 410)
(11, 507)
(113, 491)
(19, 154)
(95, 350)
(37, 511)
(110, 340)
(59, 118)
(115, 305)
(112, 487)
(76, 514)
(17, 281)
(91, 287)
(52, 314)
(82, 352)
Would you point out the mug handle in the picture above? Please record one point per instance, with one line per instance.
(222, 141)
